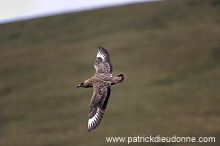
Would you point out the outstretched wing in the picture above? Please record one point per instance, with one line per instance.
(98, 103)
(102, 63)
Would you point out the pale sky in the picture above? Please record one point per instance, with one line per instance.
(13, 10)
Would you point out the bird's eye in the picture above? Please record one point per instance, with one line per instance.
(81, 83)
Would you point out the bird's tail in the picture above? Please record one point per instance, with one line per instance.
(120, 78)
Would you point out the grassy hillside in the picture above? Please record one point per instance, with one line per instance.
(168, 50)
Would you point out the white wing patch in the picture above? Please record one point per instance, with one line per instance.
(95, 120)
(100, 54)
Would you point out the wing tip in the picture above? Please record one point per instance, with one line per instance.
(94, 122)
(102, 49)
(103, 53)
(90, 129)
(93, 125)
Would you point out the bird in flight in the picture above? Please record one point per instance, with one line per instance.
(101, 83)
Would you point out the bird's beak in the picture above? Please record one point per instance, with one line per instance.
(78, 86)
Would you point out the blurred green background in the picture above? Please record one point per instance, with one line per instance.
(168, 50)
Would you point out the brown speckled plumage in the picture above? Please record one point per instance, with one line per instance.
(101, 83)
